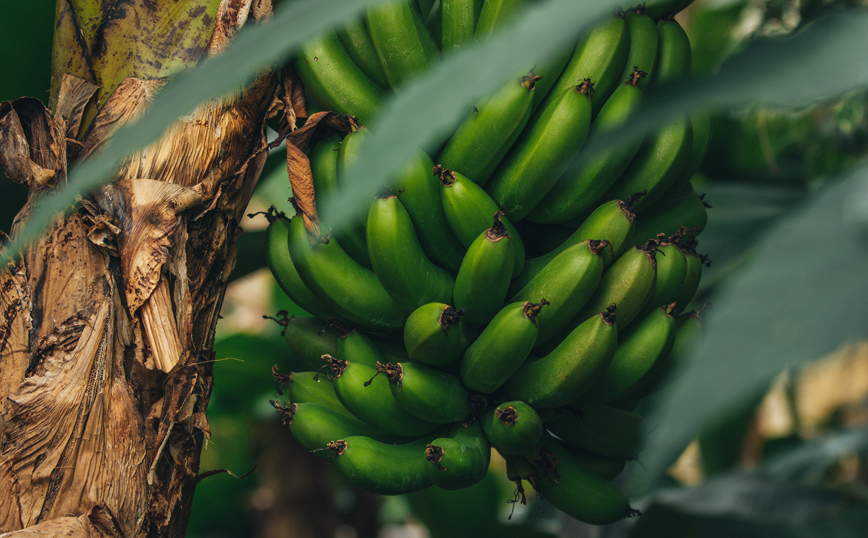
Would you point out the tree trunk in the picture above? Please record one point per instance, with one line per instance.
(107, 321)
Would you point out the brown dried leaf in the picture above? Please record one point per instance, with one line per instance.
(231, 16)
(32, 147)
(73, 96)
(127, 103)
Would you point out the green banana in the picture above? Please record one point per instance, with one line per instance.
(280, 262)
(532, 168)
(397, 258)
(403, 44)
(369, 398)
(513, 428)
(580, 494)
(333, 79)
(357, 42)
(483, 139)
(674, 55)
(688, 329)
(352, 235)
(604, 466)
(501, 348)
(659, 9)
(459, 18)
(323, 160)
(358, 347)
(469, 211)
(420, 194)
(599, 55)
(687, 209)
(693, 274)
(309, 387)
(611, 222)
(600, 429)
(647, 342)
(383, 468)
(671, 275)
(582, 185)
(483, 278)
(571, 368)
(348, 290)
(308, 340)
(427, 393)
(460, 459)
(494, 14)
(434, 335)
(643, 45)
(550, 69)
(656, 165)
(701, 123)
(434, 24)
(567, 282)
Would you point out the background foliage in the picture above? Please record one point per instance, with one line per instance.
(788, 237)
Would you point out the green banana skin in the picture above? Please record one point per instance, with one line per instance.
(657, 164)
(383, 468)
(550, 69)
(397, 258)
(469, 211)
(658, 9)
(626, 284)
(571, 368)
(701, 123)
(649, 341)
(600, 429)
(688, 329)
(513, 428)
(459, 460)
(373, 402)
(358, 347)
(643, 45)
(403, 44)
(692, 276)
(584, 183)
(541, 239)
(674, 55)
(501, 348)
(280, 262)
(603, 466)
(352, 236)
(459, 19)
(494, 14)
(420, 194)
(334, 80)
(483, 278)
(434, 335)
(580, 494)
(600, 55)
(567, 282)
(434, 24)
(308, 340)
(611, 222)
(314, 426)
(324, 171)
(427, 393)
(483, 139)
(309, 387)
(687, 209)
(671, 275)
(357, 42)
(346, 289)
(532, 168)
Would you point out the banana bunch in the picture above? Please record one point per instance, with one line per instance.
(497, 294)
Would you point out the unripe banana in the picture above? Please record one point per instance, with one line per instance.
(310, 387)
(459, 460)
(280, 262)
(693, 275)
(494, 14)
(368, 396)
(643, 45)
(569, 487)
(611, 222)
(600, 55)
(483, 278)
(324, 172)
(419, 192)
(469, 211)
(501, 348)
(671, 275)
(567, 282)
(383, 468)
(334, 80)
(427, 393)
(687, 209)
(648, 341)
(580, 188)
(351, 235)
(459, 19)
(357, 42)
(434, 335)
(688, 329)
(600, 429)
(532, 168)
(397, 258)
(482, 140)
(403, 44)
(603, 466)
(358, 347)
(513, 428)
(345, 288)
(701, 123)
(571, 368)
(674, 56)
(308, 340)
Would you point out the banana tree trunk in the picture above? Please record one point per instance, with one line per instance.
(107, 321)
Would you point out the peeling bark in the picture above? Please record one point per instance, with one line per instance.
(107, 321)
